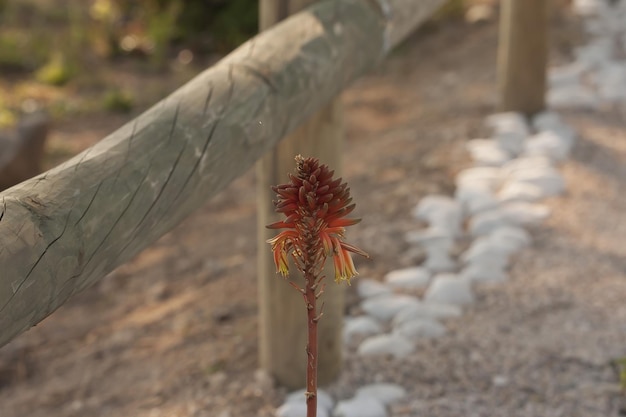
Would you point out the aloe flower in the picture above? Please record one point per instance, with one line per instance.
(315, 206)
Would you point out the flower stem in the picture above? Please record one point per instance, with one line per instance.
(315, 206)
(311, 348)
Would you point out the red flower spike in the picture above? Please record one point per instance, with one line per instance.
(315, 206)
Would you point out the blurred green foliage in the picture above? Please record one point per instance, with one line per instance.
(34, 33)
(45, 44)
(92, 45)
(234, 22)
(156, 25)
(55, 72)
(21, 52)
(119, 101)
(452, 9)
(7, 117)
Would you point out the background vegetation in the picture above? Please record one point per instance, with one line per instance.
(84, 56)
(71, 55)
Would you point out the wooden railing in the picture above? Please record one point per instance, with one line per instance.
(65, 229)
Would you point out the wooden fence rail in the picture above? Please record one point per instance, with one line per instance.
(63, 230)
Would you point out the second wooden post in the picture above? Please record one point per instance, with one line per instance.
(522, 55)
(282, 329)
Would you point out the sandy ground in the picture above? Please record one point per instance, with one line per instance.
(542, 344)
(173, 333)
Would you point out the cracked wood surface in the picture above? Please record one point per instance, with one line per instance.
(63, 230)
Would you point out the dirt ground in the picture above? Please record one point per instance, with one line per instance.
(173, 333)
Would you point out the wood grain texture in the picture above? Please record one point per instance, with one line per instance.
(63, 230)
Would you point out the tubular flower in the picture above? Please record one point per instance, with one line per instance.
(315, 207)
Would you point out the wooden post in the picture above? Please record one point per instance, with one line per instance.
(22, 151)
(283, 328)
(522, 55)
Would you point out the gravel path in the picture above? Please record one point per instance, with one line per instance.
(542, 344)
(173, 333)
(545, 342)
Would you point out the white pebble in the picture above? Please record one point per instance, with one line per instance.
(439, 261)
(449, 289)
(408, 278)
(426, 328)
(548, 179)
(484, 272)
(427, 310)
(612, 90)
(367, 288)
(448, 222)
(432, 204)
(571, 97)
(549, 120)
(360, 407)
(548, 143)
(487, 152)
(596, 52)
(525, 163)
(510, 238)
(383, 392)
(437, 245)
(484, 249)
(324, 400)
(563, 77)
(490, 177)
(587, 7)
(386, 344)
(594, 27)
(509, 130)
(610, 80)
(442, 213)
(263, 379)
(519, 191)
(430, 239)
(475, 199)
(485, 222)
(298, 409)
(479, 13)
(384, 307)
(511, 142)
(360, 326)
(500, 381)
(508, 122)
(525, 214)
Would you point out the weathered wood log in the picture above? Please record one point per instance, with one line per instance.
(66, 228)
(21, 150)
